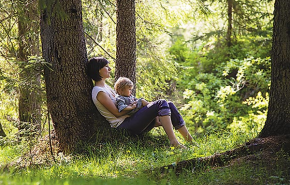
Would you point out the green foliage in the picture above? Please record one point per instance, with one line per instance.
(218, 81)
(181, 50)
(238, 91)
(8, 98)
(99, 26)
(8, 29)
(158, 81)
(9, 86)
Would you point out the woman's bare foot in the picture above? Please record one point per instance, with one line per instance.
(176, 144)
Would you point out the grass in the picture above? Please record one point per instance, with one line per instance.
(128, 163)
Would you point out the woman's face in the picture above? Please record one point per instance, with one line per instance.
(105, 71)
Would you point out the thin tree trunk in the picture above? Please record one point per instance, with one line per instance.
(75, 117)
(99, 16)
(2, 133)
(278, 118)
(230, 22)
(30, 96)
(126, 40)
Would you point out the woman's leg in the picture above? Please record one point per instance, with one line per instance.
(144, 119)
(168, 128)
(179, 123)
(186, 135)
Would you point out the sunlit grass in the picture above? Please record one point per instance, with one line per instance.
(115, 162)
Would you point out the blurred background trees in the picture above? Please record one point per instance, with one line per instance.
(211, 57)
(29, 73)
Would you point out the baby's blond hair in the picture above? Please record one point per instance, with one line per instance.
(121, 83)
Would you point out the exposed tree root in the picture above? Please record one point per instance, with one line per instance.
(265, 147)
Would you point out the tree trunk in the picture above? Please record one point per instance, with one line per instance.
(278, 118)
(99, 15)
(2, 133)
(230, 22)
(75, 117)
(29, 88)
(126, 40)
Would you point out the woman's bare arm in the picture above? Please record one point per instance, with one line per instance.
(130, 107)
(106, 101)
(144, 102)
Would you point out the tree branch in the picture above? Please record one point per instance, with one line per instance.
(106, 12)
(100, 46)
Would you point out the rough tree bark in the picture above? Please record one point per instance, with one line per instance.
(126, 40)
(68, 88)
(278, 118)
(29, 88)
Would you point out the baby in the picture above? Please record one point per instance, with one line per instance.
(124, 99)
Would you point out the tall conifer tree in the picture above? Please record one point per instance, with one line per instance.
(30, 92)
(126, 40)
(278, 118)
(75, 117)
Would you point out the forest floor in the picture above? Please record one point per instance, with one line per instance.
(271, 153)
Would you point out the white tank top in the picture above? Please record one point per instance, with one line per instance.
(113, 120)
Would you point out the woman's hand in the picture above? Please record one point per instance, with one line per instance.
(106, 101)
(144, 102)
(131, 106)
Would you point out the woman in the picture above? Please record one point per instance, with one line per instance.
(142, 121)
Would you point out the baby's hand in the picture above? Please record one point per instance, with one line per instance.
(135, 102)
(132, 106)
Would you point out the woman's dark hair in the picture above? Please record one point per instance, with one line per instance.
(93, 67)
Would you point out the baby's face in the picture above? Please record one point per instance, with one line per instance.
(126, 91)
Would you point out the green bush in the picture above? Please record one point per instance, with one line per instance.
(237, 92)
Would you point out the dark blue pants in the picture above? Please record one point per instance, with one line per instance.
(144, 120)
